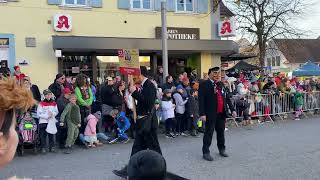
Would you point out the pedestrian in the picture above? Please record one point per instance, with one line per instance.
(84, 96)
(47, 111)
(160, 76)
(214, 100)
(108, 90)
(18, 74)
(167, 108)
(12, 97)
(34, 88)
(123, 124)
(71, 116)
(90, 133)
(146, 123)
(169, 83)
(193, 112)
(62, 102)
(57, 86)
(4, 70)
(180, 111)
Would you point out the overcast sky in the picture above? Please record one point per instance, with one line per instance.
(311, 21)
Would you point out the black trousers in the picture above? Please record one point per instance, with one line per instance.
(43, 137)
(62, 136)
(144, 141)
(219, 126)
(181, 123)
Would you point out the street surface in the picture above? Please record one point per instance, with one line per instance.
(287, 150)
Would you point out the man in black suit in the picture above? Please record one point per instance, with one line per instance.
(146, 128)
(214, 103)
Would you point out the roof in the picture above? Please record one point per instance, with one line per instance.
(237, 57)
(225, 11)
(244, 66)
(299, 50)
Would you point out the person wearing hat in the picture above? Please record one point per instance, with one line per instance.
(168, 116)
(149, 165)
(17, 73)
(214, 100)
(47, 111)
(58, 85)
(62, 130)
(146, 123)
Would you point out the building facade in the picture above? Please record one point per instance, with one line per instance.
(45, 37)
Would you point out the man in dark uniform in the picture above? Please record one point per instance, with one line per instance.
(147, 123)
(214, 103)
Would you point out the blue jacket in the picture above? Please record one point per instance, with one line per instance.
(123, 122)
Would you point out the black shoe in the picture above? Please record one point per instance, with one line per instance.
(43, 151)
(52, 150)
(223, 154)
(208, 157)
(121, 173)
(67, 150)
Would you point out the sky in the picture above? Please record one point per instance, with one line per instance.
(311, 20)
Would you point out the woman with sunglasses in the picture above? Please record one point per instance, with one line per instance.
(12, 97)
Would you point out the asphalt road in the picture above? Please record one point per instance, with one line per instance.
(287, 150)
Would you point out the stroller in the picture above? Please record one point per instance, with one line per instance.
(28, 133)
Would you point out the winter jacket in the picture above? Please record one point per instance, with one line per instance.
(123, 122)
(35, 92)
(82, 101)
(71, 114)
(180, 103)
(62, 103)
(298, 99)
(106, 93)
(167, 108)
(56, 89)
(43, 110)
(167, 86)
(91, 128)
(193, 107)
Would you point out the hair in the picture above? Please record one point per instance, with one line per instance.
(168, 77)
(80, 80)
(72, 96)
(12, 97)
(114, 112)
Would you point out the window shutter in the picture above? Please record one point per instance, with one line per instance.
(157, 5)
(96, 3)
(54, 2)
(123, 4)
(202, 6)
(171, 5)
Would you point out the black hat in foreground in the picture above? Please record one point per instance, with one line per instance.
(149, 165)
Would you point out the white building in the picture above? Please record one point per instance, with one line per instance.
(286, 55)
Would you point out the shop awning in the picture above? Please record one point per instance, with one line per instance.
(110, 45)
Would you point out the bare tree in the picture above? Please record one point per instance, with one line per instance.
(264, 20)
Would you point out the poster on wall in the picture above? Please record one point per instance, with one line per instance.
(4, 49)
(129, 61)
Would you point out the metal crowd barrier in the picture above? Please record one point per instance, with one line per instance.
(270, 106)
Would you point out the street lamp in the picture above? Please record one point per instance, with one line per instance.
(164, 39)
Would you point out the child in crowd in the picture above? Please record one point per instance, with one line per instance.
(47, 111)
(193, 112)
(90, 133)
(180, 110)
(167, 108)
(123, 124)
(71, 115)
(298, 102)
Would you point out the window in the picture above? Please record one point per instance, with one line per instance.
(269, 62)
(76, 2)
(278, 60)
(184, 5)
(141, 4)
(273, 61)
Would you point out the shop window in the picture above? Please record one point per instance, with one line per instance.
(278, 60)
(184, 6)
(141, 4)
(75, 2)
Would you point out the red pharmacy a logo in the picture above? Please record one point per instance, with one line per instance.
(226, 27)
(63, 22)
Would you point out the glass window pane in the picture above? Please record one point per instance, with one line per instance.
(136, 4)
(189, 7)
(70, 1)
(146, 4)
(81, 2)
(180, 5)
